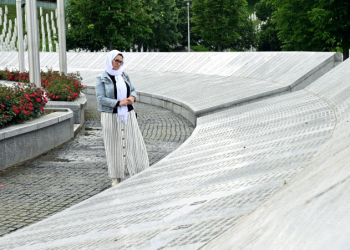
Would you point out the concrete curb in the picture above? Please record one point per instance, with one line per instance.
(30, 139)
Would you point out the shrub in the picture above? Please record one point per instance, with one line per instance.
(20, 102)
(59, 87)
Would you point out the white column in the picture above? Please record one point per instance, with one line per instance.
(33, 42)
(62, 36)
(20, 44)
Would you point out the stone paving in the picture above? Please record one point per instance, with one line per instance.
(77, 170)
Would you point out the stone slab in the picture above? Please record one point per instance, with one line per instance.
(311, 210)
(233, 162)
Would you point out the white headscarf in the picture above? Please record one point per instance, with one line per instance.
(121, 85)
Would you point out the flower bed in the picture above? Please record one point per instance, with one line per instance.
(20, 102)
(59, 87)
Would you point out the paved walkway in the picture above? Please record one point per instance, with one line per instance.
(77, 170)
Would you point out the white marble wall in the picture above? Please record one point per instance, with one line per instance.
(273, 172)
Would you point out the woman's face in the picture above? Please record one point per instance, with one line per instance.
(117, 62)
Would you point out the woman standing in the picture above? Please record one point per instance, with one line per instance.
(125, 149)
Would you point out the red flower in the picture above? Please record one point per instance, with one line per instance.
(42, 109)
(16, 111)
(2, 105)
(6, 116)
(31, 104)
(38, 99)
(7, 97)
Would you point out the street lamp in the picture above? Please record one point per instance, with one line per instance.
(188, 18)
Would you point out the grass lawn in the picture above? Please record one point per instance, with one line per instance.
(12, 15)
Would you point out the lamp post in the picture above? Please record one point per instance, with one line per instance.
(188, 18)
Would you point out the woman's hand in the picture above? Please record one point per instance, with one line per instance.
(131, 100)
(124, 102)
(127, 101)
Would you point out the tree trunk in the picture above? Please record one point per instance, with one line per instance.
(345, 53)
(110, 46)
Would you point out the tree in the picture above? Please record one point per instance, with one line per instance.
(221, 23)
(267, 39)
(163, 23)
(314, 25)
(95, 25)
(331, 21)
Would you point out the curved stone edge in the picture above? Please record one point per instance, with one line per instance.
(187, 110)
(30, 139)
(77, 106)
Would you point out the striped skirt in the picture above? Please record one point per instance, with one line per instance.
(124, 145)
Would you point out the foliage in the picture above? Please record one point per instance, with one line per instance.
(59, 87)
(251, 4)
(163, 20)
(221, 23)
(264, 9)
(95, 25)
(20, 102)
(267, 39)
(316, 25)
(199, 48)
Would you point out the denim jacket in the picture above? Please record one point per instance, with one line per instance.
(105, 92)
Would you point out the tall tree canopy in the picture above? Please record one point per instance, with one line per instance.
(222, 23)
(108, 23)
(316, 25)
(267, 39)
(164, 15)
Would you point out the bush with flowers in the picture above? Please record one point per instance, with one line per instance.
(20, 102)
(59, 87)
